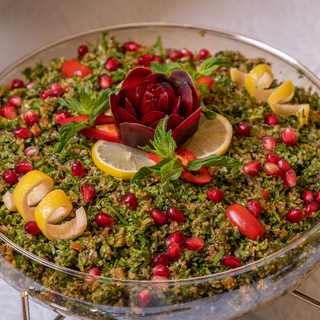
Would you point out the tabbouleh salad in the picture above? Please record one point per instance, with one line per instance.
(127, 248)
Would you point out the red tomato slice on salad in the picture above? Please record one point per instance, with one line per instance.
(71, 67)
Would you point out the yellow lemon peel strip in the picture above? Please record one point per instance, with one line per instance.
(9, 201)
(284, 93)
(57, 203)
(29, 191)
(238, 77)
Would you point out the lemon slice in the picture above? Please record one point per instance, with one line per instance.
(119, 160)
(284, 93)
(258, 79)
(57, 203)
(213, 136)
(29, 191)
(9, 201)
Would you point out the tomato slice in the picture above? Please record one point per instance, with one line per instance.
(185, 156)
(71, 67)
(247, 223)
(208, 80)
(107, 132)
(101, 119)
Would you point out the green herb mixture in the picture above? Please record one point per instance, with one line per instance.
(125, 250)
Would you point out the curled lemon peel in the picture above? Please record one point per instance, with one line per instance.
(282, 94)
(57, 204)
(9, 201)
(29, 191)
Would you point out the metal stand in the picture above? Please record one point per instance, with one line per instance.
(304, 297)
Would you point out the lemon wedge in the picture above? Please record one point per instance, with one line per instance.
(284, 93)
(258, 80)
(119, 160)
(212, 137)
(57, 204)
(9, 201)
(29, 191)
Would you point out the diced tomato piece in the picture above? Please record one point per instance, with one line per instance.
(105, 132)
(101, 119)
(208, 80)
(185, 156)
(71, 67)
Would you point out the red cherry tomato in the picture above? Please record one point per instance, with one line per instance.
(70, 67)
(208, 80)
(107, 132)
(185, 156)
(247, 223)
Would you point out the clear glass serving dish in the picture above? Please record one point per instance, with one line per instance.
(227, 295)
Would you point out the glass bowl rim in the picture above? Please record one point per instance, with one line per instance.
(219, 32)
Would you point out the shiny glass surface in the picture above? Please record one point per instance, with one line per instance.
(226, 295)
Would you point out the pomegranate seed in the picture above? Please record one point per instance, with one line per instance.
(56, 90)
(244, 129)
(130, 199)
(159, 285)
(30, 117)
(272, 119)
(16, 84)
(9, 111)
(318, 196)
(215, 195)
(88, 191)
(143, 298)
(204, 53)
(160, 258)
(308, 196)
(175, 237)
(31, 151)
(230, 261)
(269, 143)
(62, 115)
(159, 217)
(46, 94)
(288, 136)
(199, 64)
(175, 54)
(93, 272)
(31, 227)
(272, 169)
(224, 69)
(157, 59)
(15, 101)
(111, 64)
(187, 53)
(194, 243)
(103, 220)
(254, 206)
(284, 165)
(30, 85)
(77, 169)
(173, 252)
(22, 133)
(273, 158)
(10, 177)
(251, 168)
(290, 178)
(294, 215)
(130, 46)
(82, 50)
(23, 166)
(105, 81)
(20, 176)
(312, 207)
(145, 60)
(174, 214)
(161, 270)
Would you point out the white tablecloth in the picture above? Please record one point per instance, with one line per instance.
(292, 26)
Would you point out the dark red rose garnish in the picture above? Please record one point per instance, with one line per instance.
(145, 98)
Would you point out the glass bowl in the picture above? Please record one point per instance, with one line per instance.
(227, 295)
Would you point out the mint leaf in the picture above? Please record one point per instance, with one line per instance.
(218, 257)
(165, 67)
(73, 105)
(209, 114)
(166, 172)
(158, 46)
(175, 174)
(213, 160)
(67, 131)
(86, 97)
(204, 90)
(144, 171)
(211, 64)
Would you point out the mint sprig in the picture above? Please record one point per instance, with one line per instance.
(85, 105)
